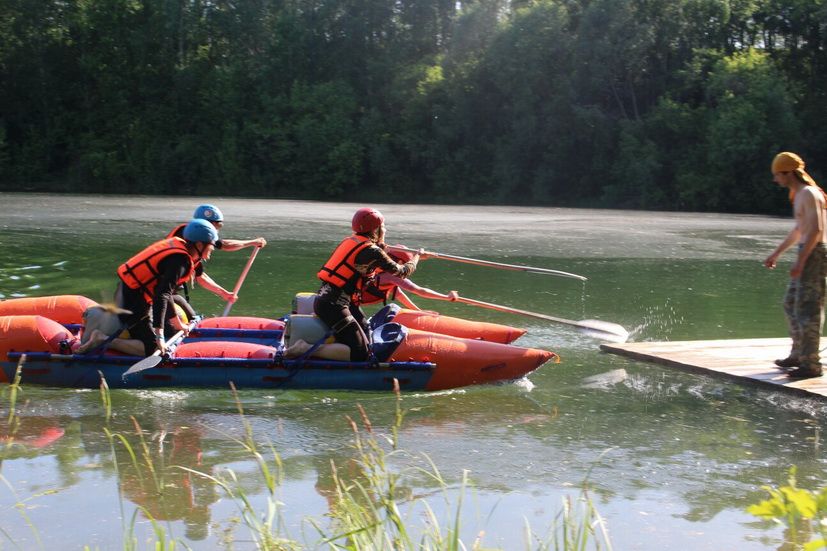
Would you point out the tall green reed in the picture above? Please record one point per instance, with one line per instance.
(140, 459)
(266, 527)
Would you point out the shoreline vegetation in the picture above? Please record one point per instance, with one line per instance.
(665, 105)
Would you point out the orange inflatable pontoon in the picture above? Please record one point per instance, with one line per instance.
(426, 320)
(63, 309)
(468, 361)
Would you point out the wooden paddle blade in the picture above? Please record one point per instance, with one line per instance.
(147, 363)
(604, 330)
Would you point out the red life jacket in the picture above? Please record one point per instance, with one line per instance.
(372, 292)
(141, 271)
(340, 268)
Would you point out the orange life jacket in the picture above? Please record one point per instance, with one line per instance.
(177, 231)
(141, 271)
(340, 268)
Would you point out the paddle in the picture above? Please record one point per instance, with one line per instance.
(492, 264)
(151, 361)
(241, 279)
(595, 328)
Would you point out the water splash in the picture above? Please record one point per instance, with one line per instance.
(661, 319)
(524, 384)
(652, 390)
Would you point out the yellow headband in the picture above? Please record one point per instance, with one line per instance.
(786, 162)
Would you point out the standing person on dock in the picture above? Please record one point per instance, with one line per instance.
(804, 299)
(352, 264)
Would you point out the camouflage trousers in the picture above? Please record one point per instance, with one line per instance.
(804, 307)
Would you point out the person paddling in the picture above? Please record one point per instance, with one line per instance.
(804, 299)
(386, 287)
(354, 261)
(214, 216)
(147, 284)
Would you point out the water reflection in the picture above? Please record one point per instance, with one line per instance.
(161, 483)
(28, 437)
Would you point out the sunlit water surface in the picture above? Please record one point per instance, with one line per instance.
(671, 458)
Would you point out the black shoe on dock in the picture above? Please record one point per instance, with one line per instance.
(787, 363)
(804, 373)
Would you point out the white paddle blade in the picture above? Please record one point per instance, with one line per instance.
(147, 363)
(604, 330)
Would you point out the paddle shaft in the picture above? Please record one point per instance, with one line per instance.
(241, 279)
(516, 311)
(604, 327)
(492, 264)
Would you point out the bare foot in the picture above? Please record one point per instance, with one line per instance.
(95, 339)
(297, 349)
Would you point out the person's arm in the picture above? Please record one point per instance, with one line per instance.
(405, 299)
(788, 242)
(236, 244)
(172, 269)
(374, 257)
(210, 285)
(425, 292)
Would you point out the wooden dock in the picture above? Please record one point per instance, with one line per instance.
(744, 360)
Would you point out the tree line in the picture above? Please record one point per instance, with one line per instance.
(653, 104)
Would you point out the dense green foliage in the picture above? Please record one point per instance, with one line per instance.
(675, 104)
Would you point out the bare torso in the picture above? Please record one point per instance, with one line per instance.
(810, 210)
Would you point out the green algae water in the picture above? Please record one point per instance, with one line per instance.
(670, 458)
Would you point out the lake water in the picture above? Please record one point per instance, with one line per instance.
(671, 458)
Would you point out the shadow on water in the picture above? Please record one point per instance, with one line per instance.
(672, 458)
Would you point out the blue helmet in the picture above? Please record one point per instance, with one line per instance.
(208, 212)
(200, 231)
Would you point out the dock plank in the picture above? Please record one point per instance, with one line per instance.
(744, 360)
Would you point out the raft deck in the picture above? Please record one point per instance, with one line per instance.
(745, 360)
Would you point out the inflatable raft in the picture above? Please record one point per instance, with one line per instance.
(249, 353)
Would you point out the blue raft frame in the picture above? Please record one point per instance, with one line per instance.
(85, 371)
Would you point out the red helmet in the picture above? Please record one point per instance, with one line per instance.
(366, 220)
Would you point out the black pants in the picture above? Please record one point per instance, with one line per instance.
(353, 333)
(138, 323)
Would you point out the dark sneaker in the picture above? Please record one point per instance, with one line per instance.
(787, 363)
(804, 373)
